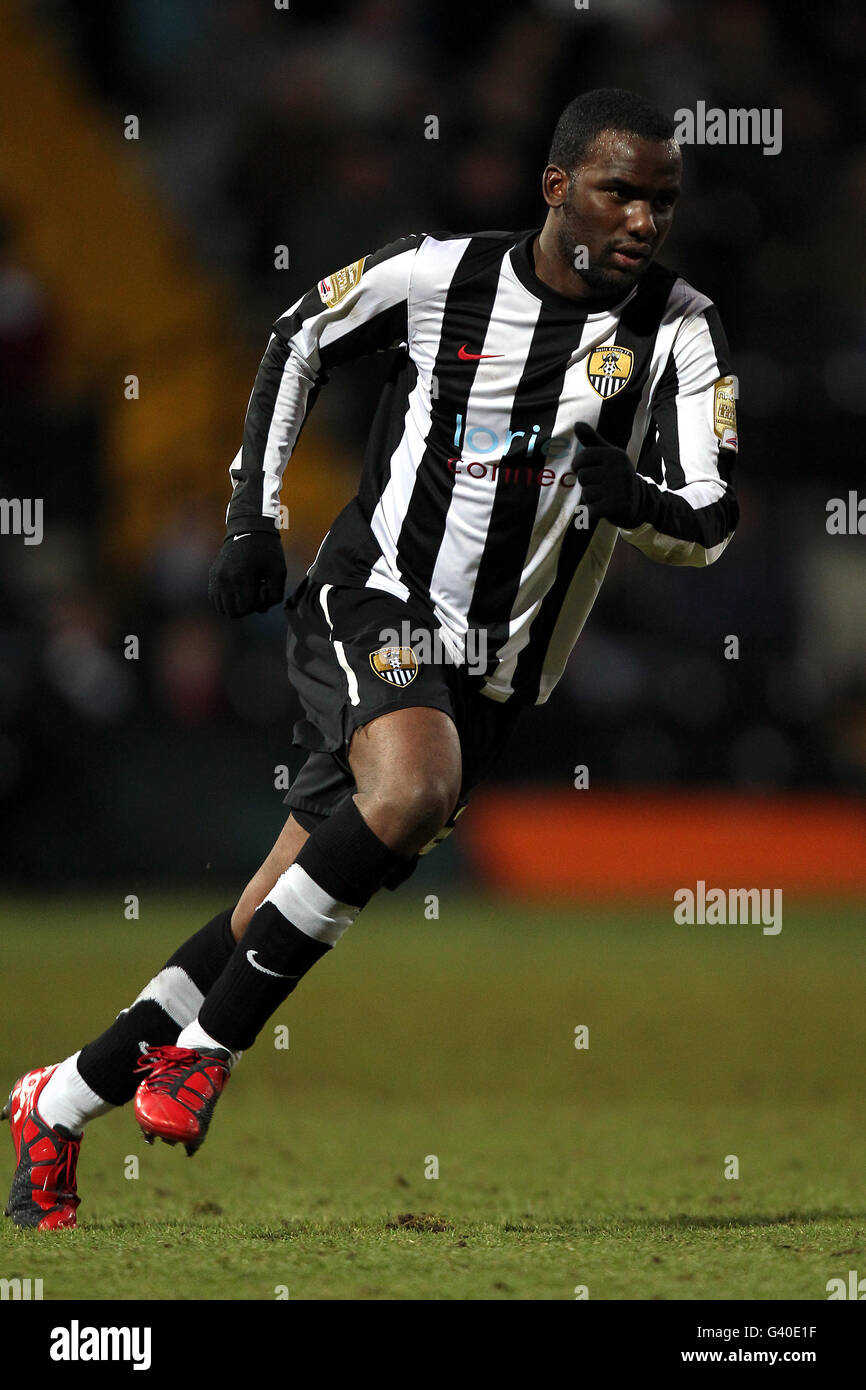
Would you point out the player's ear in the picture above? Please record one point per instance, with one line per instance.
(554, 186)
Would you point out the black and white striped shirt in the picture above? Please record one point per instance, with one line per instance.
(468, 500)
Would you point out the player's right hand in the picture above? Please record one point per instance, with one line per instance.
(248, 575)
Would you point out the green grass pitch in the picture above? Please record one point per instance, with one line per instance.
(558, 1167)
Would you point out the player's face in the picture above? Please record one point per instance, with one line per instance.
(616, 210)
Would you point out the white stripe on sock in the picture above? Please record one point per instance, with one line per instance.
(309, 908)
(175, 992)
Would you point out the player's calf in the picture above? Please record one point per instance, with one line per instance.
(337, 871)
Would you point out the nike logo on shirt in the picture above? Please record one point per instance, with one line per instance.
(475, 356)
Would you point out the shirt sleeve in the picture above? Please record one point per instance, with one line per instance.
(688, 455)
(360, 309)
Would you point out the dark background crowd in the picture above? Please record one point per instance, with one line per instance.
(306, 127)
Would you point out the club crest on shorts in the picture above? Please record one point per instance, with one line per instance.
(396, 665)
(609, 368)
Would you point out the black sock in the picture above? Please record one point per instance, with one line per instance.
(262, 972)
(347, 859)
(108, 1063)
(335, 874)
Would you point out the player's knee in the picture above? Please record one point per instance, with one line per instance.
(412, 809)
(429, 802)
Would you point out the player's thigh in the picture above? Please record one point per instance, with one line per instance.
(407, 767)
(376, 709)
(285, 851)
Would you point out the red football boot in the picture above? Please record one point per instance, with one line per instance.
(176, 1102)
(43, 1189)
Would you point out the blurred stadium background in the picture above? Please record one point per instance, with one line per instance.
(155, 256)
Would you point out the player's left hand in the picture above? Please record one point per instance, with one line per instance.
(609, 485)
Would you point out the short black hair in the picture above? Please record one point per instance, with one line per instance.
(606, 108)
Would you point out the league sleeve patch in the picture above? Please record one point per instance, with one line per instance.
(725, 393)
(335, 287)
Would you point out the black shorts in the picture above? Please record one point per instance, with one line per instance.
(346, 676)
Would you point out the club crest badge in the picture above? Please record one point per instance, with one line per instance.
(609, 368)
(335, 287)
(396, 665)
(725, 411)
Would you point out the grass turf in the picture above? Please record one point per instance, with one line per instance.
(600, 1167)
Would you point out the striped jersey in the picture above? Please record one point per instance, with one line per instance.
(468, 504)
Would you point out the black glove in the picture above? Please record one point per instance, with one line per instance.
(248, 575)
(609, 485)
